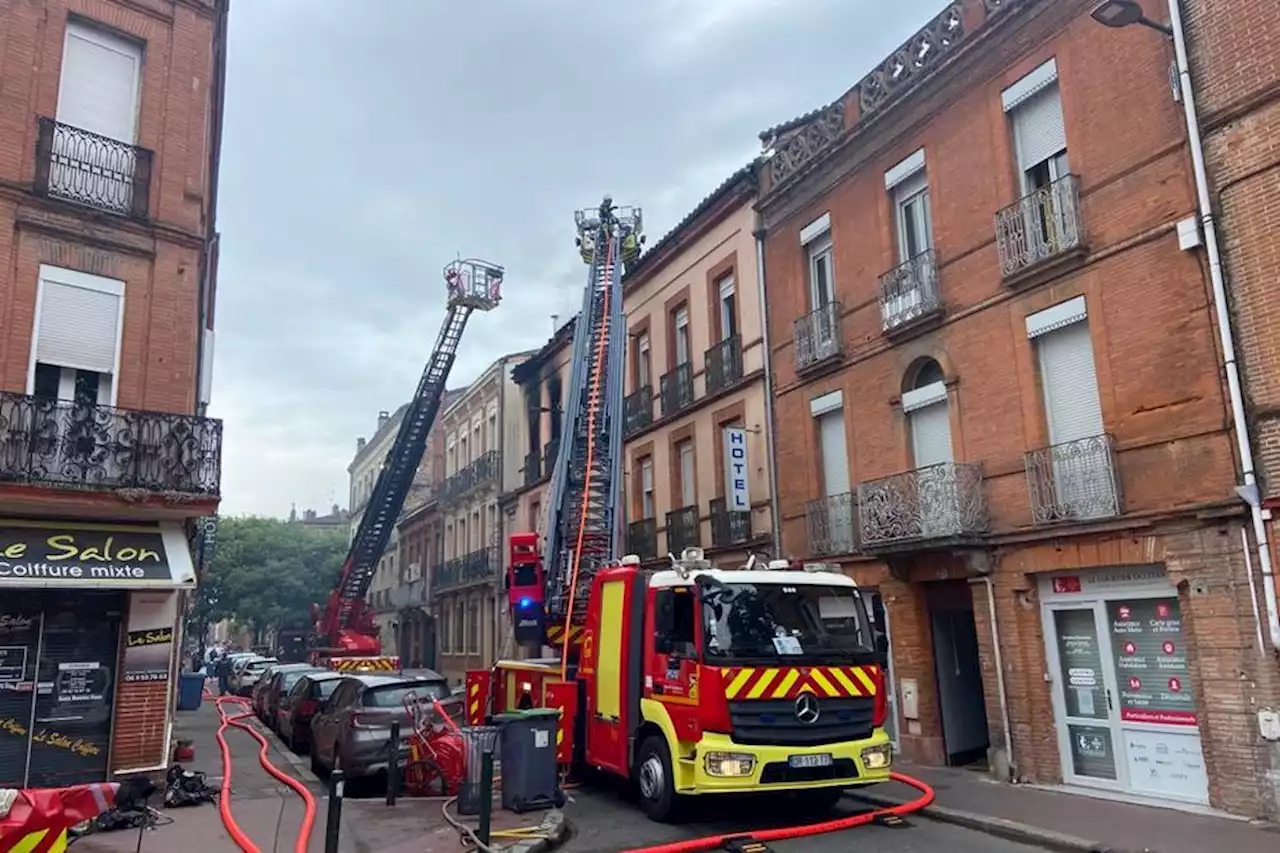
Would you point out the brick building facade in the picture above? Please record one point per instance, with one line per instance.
(1000, 408)
(110, 124)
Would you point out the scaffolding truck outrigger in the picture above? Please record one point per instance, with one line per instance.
(346, 635)
(691, 680)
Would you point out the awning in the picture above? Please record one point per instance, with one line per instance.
(70, 555)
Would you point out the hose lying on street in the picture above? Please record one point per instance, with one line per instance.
(469, 837)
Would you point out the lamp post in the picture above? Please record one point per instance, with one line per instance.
(1124, 13)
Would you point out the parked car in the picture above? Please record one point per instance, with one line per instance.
(246, 674)
(300, 704)
(353, 728)
(270, 676)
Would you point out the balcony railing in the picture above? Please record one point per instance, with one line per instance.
(819, 336)
(79, 445)
(724, 364)
(1074, 481)
(532, 467)
(82, 167)
(832, 523)
(941, 502)
(482, 471)
(476, 567)
(642, 538)
(729, 528)
(1043, 225)
(677, 389)
(683, 529)
(909, 292)
(637, 410)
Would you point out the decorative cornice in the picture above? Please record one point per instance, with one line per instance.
(913, 60)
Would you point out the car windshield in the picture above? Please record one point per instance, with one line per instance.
(393, 695)
(288, 679)
(815, 623)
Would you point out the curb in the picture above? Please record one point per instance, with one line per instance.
(1010, 830)
(556, 828)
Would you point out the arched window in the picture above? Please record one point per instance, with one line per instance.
(925, 405)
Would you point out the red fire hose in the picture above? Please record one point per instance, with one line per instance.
(711, 842)
(224, 802)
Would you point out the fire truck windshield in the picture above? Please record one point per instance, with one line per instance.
(810, 623)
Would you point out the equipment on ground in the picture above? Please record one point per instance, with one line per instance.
(346, 633)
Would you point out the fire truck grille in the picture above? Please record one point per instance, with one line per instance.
(774, 721)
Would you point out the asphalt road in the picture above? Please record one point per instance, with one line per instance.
(604, 822)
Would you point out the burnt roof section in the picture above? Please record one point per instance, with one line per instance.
(527, 371)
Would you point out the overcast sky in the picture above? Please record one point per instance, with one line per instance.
(368, 142)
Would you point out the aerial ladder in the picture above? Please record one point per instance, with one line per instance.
(346, 634)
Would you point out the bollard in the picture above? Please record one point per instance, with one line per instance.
(486, 795)
(334, 820)
(393, 764)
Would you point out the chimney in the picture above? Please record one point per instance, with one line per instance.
(555, 323)
(293, 512)
(383, 417)
(360, 443)
(308, 515)
(335, 510)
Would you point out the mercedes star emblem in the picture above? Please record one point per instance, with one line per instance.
(807, 710)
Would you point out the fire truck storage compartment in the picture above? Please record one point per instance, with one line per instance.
(530, 772)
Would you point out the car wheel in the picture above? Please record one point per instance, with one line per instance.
(655, 780)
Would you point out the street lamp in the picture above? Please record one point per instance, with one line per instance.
(1123, 13)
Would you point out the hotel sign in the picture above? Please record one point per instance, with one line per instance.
(80, 556)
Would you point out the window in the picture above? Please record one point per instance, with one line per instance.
(453, 459)
(477, 440)
(99, 88)
(77, 337)
(675, 623)
(688, 474)
(1034, 105)
(535, 517)
(646, 487)
(463, 458)
(644, 363)
(728, 308)
(911, 210)
(821, 281)
(459, 628)
(446, 646)
(930, 421)
(828, 411)
(680, 330)
(491, 443)
(473, 627)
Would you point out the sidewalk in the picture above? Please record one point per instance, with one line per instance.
(1060, 820)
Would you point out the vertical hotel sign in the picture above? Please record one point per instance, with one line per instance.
(737, 495)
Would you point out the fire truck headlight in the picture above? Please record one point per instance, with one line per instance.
(730, 764)
(877, 757)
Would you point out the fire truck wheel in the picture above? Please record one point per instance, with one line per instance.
(654, 779)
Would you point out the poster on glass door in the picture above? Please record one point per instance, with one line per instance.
(1151, 662)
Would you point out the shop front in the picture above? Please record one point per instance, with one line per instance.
(1125, 712)
(88, 640)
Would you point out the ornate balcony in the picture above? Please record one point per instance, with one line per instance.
(637, 410)
(1041, 227)
(724, 364)
(683, 529)
(76, 445)
(483, 471)
(833, 525)
(677, 389)
(819, 336)
(642, 538)
(729, 528)
(96, 171)
(532, 467)
(909, 293)
(477, 567)
(1074, 481)
(936, 505)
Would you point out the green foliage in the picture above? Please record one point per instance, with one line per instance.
(266, 572)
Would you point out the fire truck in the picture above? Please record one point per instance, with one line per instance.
(688, 680)
(346, 635)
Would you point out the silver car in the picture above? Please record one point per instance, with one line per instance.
(246, 674)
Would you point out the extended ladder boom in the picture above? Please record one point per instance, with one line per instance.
(348, 623)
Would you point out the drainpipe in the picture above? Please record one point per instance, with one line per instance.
(770, 420)
(207, 274)
(999, 662)
(1248, 491)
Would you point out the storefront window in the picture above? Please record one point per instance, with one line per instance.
(1151, 666)
(1084, 693)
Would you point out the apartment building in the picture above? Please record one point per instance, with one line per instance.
(999, 406)
(695, 415)
(466, 588)
(110, 126)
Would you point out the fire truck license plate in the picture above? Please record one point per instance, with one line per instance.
(821, 759)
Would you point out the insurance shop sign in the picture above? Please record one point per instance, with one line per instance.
(82, 557)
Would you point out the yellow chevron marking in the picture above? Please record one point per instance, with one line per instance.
(475, 687)
(762, 684)
(59, 845)
(865, 679)
(559, 736)
(838, 674)
(816, 676)
(29, 842)
(474, 709)
(740, 679)
(785, 686)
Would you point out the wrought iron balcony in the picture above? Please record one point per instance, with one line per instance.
(832, 523)
(96, 171)
(642, 538)
(532, 467)
(729, 528)
(549, 454)
(909, 292)
(945, 502)
(724, 364)
(637, 410)
(79, 445)
(1074, 481)
(819, 336)
(1041, 226)
(677, 389)
(683, 529)
(483, 470)
(477, 567)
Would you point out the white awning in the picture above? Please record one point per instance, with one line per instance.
(71, 555)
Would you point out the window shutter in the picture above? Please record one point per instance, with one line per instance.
(1038, 128)
(79, 327)
(835, 453)
(931, 435)
(1070, 381)
(99, 87)
(688, 492)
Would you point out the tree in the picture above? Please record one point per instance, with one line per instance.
(265, 572)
